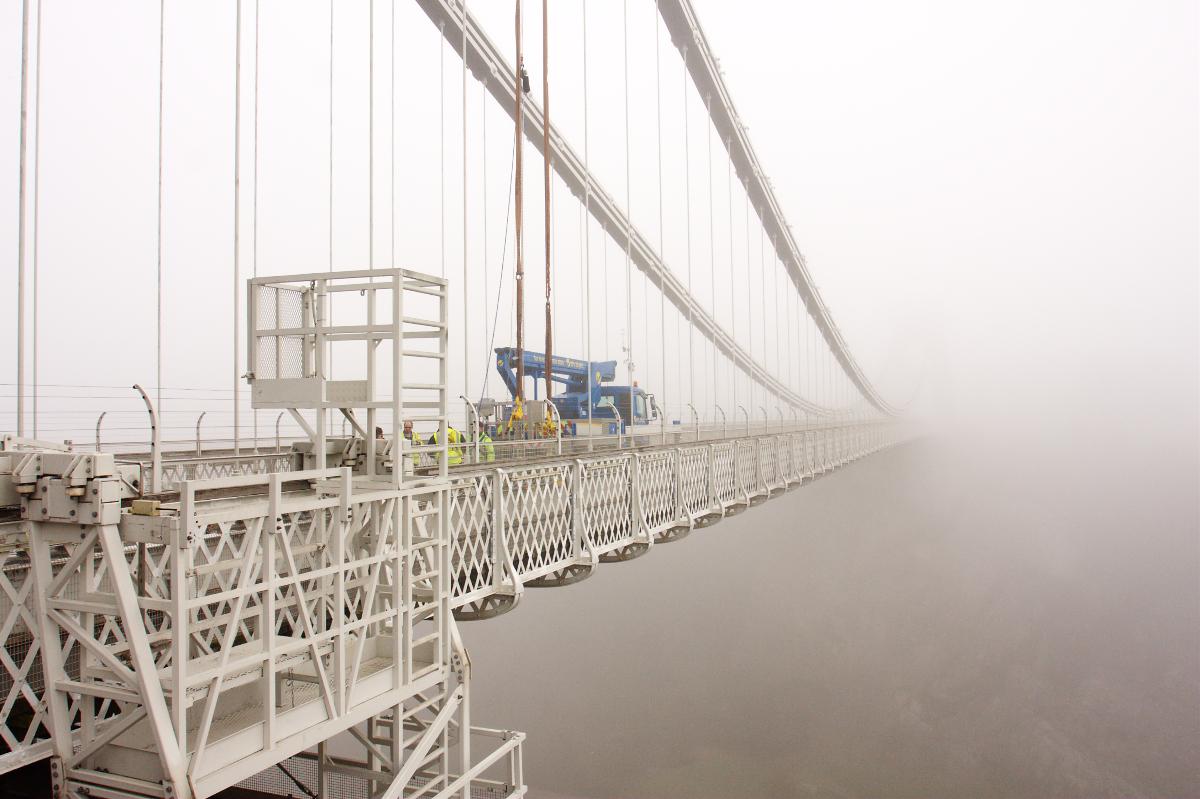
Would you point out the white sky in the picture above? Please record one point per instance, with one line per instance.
(998, 201)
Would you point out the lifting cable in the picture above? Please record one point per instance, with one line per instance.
(762, 282)
(37, 185)
(392, 136)
(712, 253)
(323, 415)
(21, 213)
(547, 160)
(732, 302)
(604, 244)
(484, 291)
(687, 174)
(370, 133)
(254, 200)
(237, 219)
(587, 233)
(749, 306)
(662, 293)
(442, 146)
(472, 432)
(487, 360)
(778, 318)
(629, 364)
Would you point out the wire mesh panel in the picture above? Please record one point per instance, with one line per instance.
(472, 543)
(538, 522)
(693, 480)
(606, 501)
(280, 356)
(657, 494)
(724, 476)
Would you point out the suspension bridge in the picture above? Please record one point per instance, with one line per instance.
(268, 601)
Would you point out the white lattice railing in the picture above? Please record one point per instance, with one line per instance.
(176, 472)
(508, 526)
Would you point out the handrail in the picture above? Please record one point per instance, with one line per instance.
(155, 443)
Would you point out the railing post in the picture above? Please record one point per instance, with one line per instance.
(637, 518)
(681, 510)
(762, 483)
(99, 419)
(279, 447)
(155, 444)
(499, 561)
(713, 496)
(199, 419)
(473, 423)
(578, 523)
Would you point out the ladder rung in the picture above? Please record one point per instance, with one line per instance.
(416, 320)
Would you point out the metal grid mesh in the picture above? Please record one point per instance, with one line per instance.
(537, 518)
(693, 479)
(606, 497)
(472, 546)
(747, 468)
(656, 490)
(723, 473)
(279, 356)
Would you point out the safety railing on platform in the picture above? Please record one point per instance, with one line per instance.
(177, 472)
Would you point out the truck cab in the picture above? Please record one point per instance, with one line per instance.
(634, 405)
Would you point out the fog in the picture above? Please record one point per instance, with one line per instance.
(1003, 199)
(943, 620)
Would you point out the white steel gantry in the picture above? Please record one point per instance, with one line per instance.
(186, 646)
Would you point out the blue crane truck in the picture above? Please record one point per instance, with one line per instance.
(612, 405)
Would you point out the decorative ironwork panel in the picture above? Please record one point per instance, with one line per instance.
(693, 480)
(724, 473)
(472, 543)
(606, 501)
(538, 519)
(657, 493)
(747, 467)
